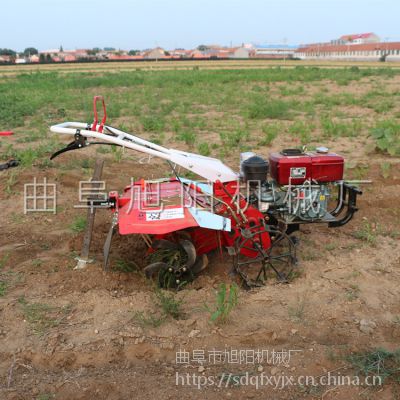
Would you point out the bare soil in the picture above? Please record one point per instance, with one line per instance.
(97, 349)
(73, 334)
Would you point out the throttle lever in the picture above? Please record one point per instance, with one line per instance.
(78, 143)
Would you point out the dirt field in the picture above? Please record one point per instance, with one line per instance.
(185, 65)
(68, 334)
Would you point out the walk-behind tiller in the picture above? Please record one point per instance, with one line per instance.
(248, 213)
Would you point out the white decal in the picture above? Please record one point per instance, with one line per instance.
(169, 213)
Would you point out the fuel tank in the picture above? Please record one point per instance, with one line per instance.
(294, 167)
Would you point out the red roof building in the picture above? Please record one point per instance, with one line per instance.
(360, 38)
(389, 51)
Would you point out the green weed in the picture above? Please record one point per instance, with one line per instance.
(263, 108)
(41, 316)
(352, 292)
(270, 131)
(3, 260)
(387, 136)
(226, 300)
(78, 225)
(3, 288)
(151, 320)
(381, 363)
(385, 169)
(169, 304)
(125, 266)
(302, 130)
(204, 149)
(297, 311)
(367, 232)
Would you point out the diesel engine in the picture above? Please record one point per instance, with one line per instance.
(296, 187)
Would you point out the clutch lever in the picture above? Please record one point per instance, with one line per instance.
(78, 143)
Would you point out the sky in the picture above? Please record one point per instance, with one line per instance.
(140, 24)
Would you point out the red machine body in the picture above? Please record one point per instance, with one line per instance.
(295, 169)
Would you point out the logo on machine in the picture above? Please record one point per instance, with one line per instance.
(298, 172)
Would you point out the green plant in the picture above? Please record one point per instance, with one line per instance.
(333, 128)
(152, 320)
(352, 292)
(204, 149)
(103, 149)
(3, 288)
(169, 304)
(153, 123)
(387, 137)
(188, 137)
(233, 139)
(37, 262)
(360, 171)
(367, 232)
(78, 225)
(263, 108)
(125, 266)
(85, 163)
(385, 169)
(45, 396)
(42, 316)
(226, 300)
(3, 260)
(379, 362)
(302, 130)
(10, 182)
(117, 153)
(297, 311)
(271, 131)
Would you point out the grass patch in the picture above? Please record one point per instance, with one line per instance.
(153, 123)
(204, 149)
(331, 128)
(188, 137)
(151, 320)
(42, 317)
(352, 292)
(3, 288)
(378, 362)
(367, 232)
(263, 108)
(235, 139)
(125, 266)
(297, 312)
(169, 304)
(3, 260)
(10, 182)
(270, 133)
(385, 169)
(78, 225)
(302, 130)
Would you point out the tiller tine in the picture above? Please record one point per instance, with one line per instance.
(154, 268)
(190, 250)
(178, 265)
(200, 264)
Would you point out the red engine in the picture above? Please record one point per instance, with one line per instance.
(295, 167)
